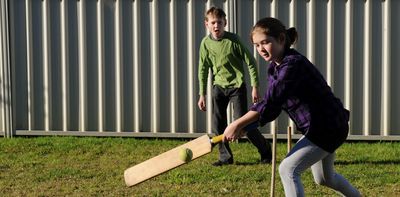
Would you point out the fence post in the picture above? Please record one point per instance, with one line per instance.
(6, 102)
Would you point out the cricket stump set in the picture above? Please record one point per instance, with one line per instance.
(199, 147)
(273, 162)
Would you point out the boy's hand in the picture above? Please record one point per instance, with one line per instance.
(254, 95)
(202, 103)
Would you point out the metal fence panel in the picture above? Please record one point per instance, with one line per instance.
(129, 67)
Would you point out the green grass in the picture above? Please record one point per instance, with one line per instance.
(89, 166)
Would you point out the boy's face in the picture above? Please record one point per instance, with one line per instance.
(216, 26)
(269, 48)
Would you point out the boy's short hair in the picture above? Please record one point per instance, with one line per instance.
(216, 12)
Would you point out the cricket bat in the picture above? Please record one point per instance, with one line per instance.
(168, 160)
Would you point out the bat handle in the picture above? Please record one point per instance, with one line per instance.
(217, 139)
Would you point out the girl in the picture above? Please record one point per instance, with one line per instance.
(297, 87)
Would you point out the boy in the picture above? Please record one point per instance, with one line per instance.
(224, 53)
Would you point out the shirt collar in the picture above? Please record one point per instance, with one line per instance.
(212, 38)
(273, 66)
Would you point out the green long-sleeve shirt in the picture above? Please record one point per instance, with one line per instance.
(225, 57)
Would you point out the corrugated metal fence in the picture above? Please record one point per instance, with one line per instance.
(129, 67)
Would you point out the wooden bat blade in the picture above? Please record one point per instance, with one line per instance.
(166, 161)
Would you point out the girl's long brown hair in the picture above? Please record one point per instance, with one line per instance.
(275, 28)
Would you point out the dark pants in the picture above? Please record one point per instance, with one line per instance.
(238, 96)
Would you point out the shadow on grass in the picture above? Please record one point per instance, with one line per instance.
(383, 162)
(239, 163)
(337, 162)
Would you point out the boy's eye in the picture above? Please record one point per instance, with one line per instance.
(217, 22)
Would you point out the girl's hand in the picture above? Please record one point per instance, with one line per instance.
(235, 130)
(231, 132)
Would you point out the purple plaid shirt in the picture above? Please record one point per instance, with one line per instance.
(297, 87)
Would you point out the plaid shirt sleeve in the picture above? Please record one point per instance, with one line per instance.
(283, 81)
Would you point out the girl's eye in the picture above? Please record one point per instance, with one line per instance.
(265, 42)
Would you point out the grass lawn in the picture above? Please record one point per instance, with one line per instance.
(90, 166)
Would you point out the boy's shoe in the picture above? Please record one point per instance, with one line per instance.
(222, 163)
(266, 159)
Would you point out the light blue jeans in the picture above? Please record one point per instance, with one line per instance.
(306, 154)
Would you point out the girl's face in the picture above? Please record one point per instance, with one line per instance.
(268, 47)
(216, 26)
